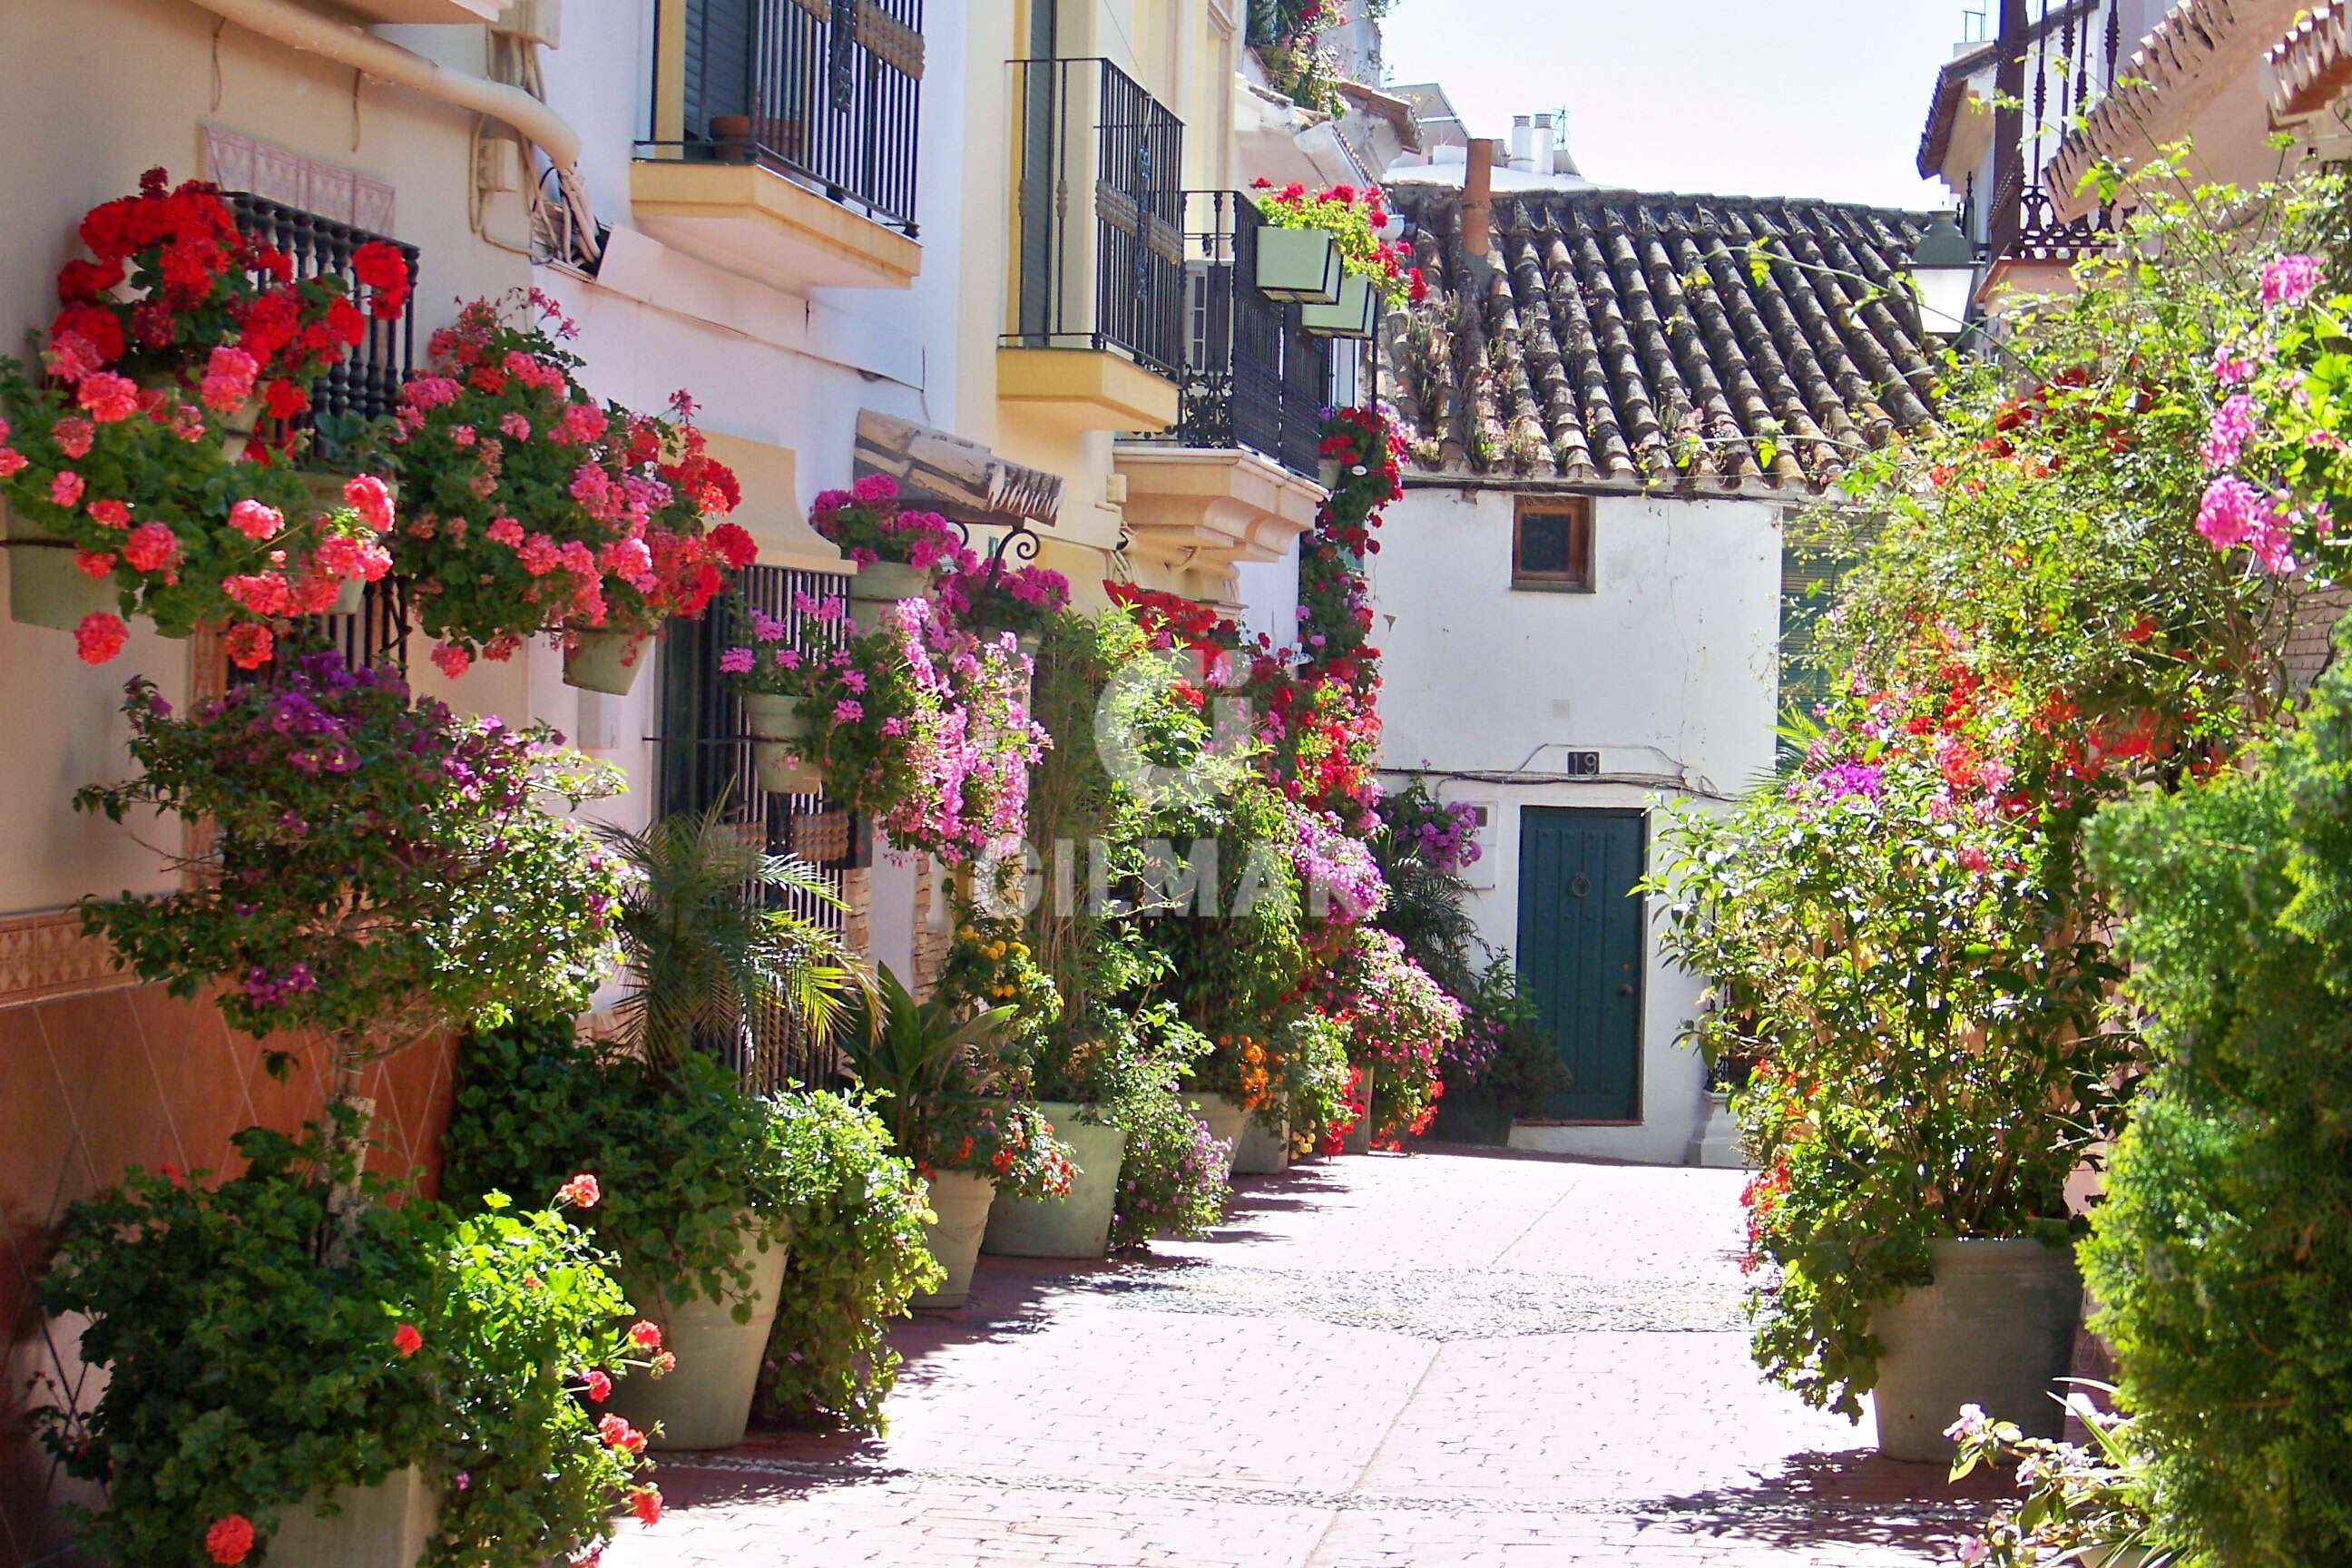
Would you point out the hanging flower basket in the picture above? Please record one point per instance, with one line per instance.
(1352, 316)
(879, 585)
(604, 661)
(1298, 266)
(780, 744)
(46, 588)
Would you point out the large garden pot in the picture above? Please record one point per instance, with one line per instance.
(960, 1203)
(387, 1525)
(706, 1400)
(780, 744)
(1262, 1150)
(1298, 266)
(1358, 1140)
(1473, 1117)
(1079, 1224)
(604, 661)
(45, 587)
(1224, 1117)
(1995, 1329)
(875, 588)
(1717, 1145)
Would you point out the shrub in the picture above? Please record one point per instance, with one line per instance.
(857, 1255)
(2222, 1256)
(1172, 1177)
(1313, 1051)
(265, 1342)
(682, 1155)
(382, 869)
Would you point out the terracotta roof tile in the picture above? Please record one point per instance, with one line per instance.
(1615, 331)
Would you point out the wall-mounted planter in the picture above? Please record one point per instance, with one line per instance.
(1298, 266)
(876, 587)
(45, 587)
(780, 744)
(604, 661)
(1353, 316)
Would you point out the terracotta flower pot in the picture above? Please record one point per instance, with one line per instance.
(876, 587)
(1224, 1117)
(959, 1201)
(705, 1401)
(387, 1525)
(780, 744)
(1262, 1151)
(1995, 1329)
(1079, 1224)
(604, 661)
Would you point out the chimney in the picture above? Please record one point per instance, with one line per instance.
(1478, 197)
(1523, 142)
(1539, 146)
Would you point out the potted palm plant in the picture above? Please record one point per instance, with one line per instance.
(710, 1173)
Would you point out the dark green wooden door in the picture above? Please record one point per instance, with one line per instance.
(1580, 953)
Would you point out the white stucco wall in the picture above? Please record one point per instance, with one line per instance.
(1669, 669)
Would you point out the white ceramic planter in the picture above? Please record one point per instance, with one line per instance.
(705, 1401)
(1353, 316)
(1261, 1151)
(387, 1525)
(959, 1201)
(780, 744)
(876, 587)
(1298, 266)
(1996, 1329)
(1074, 1226)
(1224, 1117)
(604, 661)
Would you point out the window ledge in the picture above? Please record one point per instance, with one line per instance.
(757, 223)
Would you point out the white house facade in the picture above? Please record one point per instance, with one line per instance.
(1579, 599)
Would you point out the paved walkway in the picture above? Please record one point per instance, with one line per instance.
(1454, 1360)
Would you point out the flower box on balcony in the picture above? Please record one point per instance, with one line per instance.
(1353, 316)
(1298, 266)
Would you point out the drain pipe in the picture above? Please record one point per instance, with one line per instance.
(348, 44)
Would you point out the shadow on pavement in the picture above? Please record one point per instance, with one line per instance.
(1846, 1498)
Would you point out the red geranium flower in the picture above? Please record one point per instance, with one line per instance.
(229, 1540)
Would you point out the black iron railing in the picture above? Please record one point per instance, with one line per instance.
(2055, 60)
(706, 760)
(366, 385)
(1251, 377)
(830, 91)
(1101, 251)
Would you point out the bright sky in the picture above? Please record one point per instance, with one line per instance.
(1796, 98)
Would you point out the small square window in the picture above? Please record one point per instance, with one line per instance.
(1551, 546)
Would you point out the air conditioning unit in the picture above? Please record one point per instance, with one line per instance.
(537, 22)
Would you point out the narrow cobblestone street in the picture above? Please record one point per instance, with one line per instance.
(1452, 1360)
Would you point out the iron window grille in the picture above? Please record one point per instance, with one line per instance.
(827, 91)
(1101, 249)
(705, 761)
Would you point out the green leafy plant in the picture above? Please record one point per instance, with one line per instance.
(1171, 1178)
(2222, 1258)
(858, 1256)
(710, 959)
(266, 1341)
(381, 869)
(683, 1155)
(931, 1071)
(2083, 1505)
(1313, 1051)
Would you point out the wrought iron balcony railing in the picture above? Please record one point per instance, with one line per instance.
(827, 91)
(1251, 377)
(1101, 248)
(367, 384)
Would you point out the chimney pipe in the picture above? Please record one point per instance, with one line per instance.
(1478, 197)
(1539, 146)
(1522, 143)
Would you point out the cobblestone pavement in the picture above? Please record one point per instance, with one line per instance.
(1451, 1360)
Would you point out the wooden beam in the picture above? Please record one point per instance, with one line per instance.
(952, 475)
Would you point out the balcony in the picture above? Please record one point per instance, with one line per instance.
(1232, 477)
(785, 135)
(1097, 336)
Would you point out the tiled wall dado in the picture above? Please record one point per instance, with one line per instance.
(96, 1075)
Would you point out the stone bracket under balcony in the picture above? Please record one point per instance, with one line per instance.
(1192, 508)
(1086, 389)
(761, 223)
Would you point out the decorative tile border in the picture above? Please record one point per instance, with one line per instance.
(45, 954)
